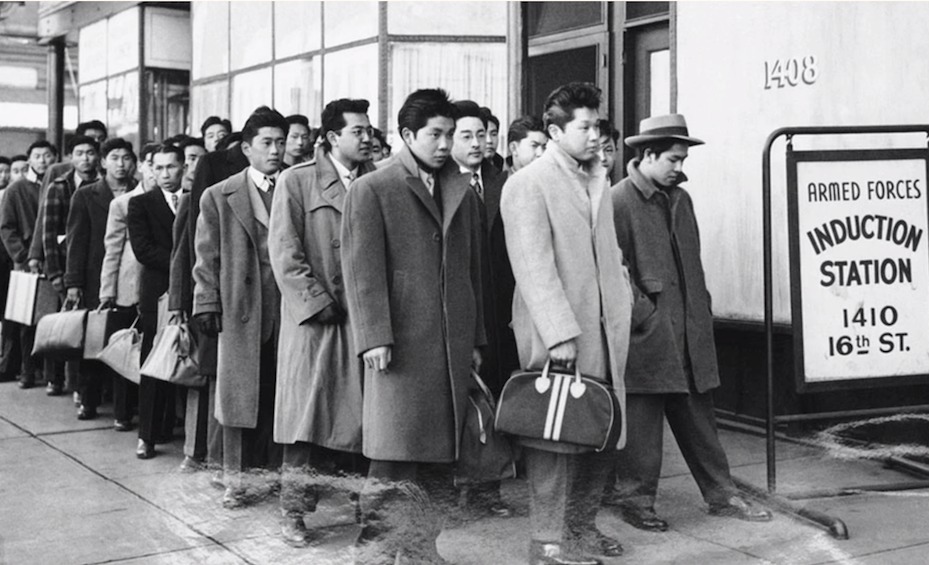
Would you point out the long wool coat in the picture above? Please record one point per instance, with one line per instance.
(570, 278)
(227, 280)
(657, 230)
(413, 282)
(119, 274)
(319, 373)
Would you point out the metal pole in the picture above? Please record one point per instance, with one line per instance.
(55, 97)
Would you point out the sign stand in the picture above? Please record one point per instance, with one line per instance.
(848, 354)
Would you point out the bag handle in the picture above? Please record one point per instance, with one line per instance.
(484, 388)
(549, 363)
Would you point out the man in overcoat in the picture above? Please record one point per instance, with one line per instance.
(319, 375)
(236, 298)
(672, 367)
(85, 233)
(411, 238)
(572, 306)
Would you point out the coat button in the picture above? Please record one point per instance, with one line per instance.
(436, 237)
(336, 243)
(244, 318)
(248, 280)
(337, 279)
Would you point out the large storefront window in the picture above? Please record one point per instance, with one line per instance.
(290, 39)
(249, 91)
(122, 106)
(353, 73)
(210, 35)
(211, 99)
(349, 21)
(122, 42)
(446, 18)
(298, 88)
(250, 34)
(91, 52)
(92, 101)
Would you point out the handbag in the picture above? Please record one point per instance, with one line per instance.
(560, 407)
(101, 324)
(483, 455)
(29, 298)
(173, 357)
(123, 353)
(61, 336)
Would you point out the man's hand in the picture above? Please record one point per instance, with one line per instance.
(210, 323)
(476, 360)
(177, 317)
(73, 299)
(564, 354)
(107, 303)
(377, 358)
(33, 265)
(58, 284)
(331, 314)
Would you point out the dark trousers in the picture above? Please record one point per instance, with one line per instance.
(29, 369)
(564, 492)
(693, 423)
(125, 398)
(196, 423)
(251, 448)
(156, 397)
(308, 472)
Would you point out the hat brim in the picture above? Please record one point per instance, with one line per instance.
(638, 140)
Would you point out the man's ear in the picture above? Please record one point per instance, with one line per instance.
(408, 135)
(554, 132)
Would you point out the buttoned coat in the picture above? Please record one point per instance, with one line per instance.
(227, 281)
(119, 274)
(412, 276)
(149, 220)
(673, 323)
(570, 279)
(86, 230)
(18, 219)
(319, 373)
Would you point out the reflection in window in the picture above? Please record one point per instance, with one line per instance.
(249, 91)
(659, 68)
(298, 89)
(546, 18)
(349, 21)
(211, 99)
(361, 82)
(473, 71)
(92, 101)
(210, 28)
(91, 52)
(291, 39)
(446, 18)
(250, 33)
(122, 116)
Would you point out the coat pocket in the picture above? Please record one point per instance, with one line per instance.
(646, 302)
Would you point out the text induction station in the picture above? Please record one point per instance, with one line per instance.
(859, 252)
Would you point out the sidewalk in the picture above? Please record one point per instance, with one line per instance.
(73, 492)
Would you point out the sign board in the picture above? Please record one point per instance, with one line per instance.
(859, 256)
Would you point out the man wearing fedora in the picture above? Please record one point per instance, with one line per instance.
(672, 367)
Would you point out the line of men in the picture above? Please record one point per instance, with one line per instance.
(349, 303)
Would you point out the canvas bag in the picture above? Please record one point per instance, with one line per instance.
(173, 357)
(560, 407)
(29, 297)
(101, 324)
(484, 455)
(123, 353)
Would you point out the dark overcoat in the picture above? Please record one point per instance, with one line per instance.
(319, 373)
(18, 219)
(413, 283)
(149, 221)
(672, 321)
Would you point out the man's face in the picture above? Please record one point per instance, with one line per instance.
(665, 169)
(470, 142)
(433, 142)
(192, 154)
(352, 144)
(84, 158)
(376, 150)
(493, 137)
(607, 153)
(298, 141)
(97, 135)
(528, 149)
(4, 175)
(580, 136)
(168, 171)
(213, 134)
(18, 170)
(40, 159)
(266, 151)
(118, 164)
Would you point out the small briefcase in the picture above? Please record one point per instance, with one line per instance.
(29, 298)
(100, 326)
(560, 407)
(61, 336)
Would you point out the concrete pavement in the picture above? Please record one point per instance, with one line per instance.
(73, 492)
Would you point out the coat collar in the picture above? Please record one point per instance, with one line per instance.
(236, 190)
(643, 184)
(410, 168)
(589, 180)
(330, 183)
(453, 185)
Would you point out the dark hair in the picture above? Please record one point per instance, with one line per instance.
(333, 117)
(263, 117)
(190, 142)
(422, 105)
(488, 116)
(224, 143)
(167, 149)
(469, 109)
(521, 127)
(92, 124)
(176, 139)
(115, 143)
(656, 146)
(215, 121)
(298, 119)
(5, 160)
(19, 157)
(561, 103)
(82, 140)
(606, 128)
(41, 144)
(147, 150)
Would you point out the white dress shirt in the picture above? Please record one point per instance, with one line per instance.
(345, 175)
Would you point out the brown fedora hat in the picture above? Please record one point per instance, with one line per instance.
(670, 126)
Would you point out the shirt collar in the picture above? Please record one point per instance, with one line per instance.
(346, 175)
(428, 179)
(466, 170)
(168, 194)
(260, 179)
(643, 183)
(31, 175)
(79, 182)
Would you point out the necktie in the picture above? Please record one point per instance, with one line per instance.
(174, 202)
(476, 185)
(270, 181)
(430, 184)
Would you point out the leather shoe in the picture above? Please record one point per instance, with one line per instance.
(596, 542)
(122, 425)
(294, 532)
(144, 450)
(190, 465)
(25, 383)
(738, 507)
(542, 553)
(217, 480)
(86, 413)
(643, 518)
(500, 509)
(53, 389)
(233, 498)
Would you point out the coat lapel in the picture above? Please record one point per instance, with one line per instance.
(236, 191)
(333, 193)
(455, 186)
(102, 195)
(406, 161)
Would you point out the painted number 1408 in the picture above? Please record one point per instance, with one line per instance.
(790, 72)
